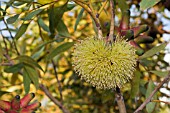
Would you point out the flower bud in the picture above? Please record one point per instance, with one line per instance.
(5, 105)
(2, 111)
(15, 104)
(124, 24)
(33, 106)
(139, 50)
(143, 39)
(26, 99)
(140, 29)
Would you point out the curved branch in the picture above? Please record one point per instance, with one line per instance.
(95, 17)
(120, 101)
(161, 101)
(58, 81)
(46, 91)
(111, 33)
(166, 79)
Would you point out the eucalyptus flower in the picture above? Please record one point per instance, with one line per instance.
(104, 65)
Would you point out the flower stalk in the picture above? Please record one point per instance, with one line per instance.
(120, 101)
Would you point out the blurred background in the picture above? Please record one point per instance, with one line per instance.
(68, 22)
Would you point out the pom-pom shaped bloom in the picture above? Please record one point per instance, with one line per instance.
(104, 65)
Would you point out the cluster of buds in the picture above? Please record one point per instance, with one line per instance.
(18, 105)
(135, 35)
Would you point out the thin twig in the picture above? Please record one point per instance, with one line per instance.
(9, 59)
(59, 84)
(120, 101)
(166, 79)
(11, 36)
(7, 28)
(102, 7)
(46, 91)
(95, 17)
(111, 34)
(5, 64)
(5, 43)
(160, 101)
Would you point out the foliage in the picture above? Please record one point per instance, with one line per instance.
(36, 46)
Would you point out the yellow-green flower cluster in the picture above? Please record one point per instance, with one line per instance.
(105, 66)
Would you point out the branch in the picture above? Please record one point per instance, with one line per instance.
(11, 36)
(59, 84)
(95, 17)
(9, 59)
(46, 91)
(166, 79)
(161, 101)
(102, 7)
(120, 101)
(5, 64)
(111, 34)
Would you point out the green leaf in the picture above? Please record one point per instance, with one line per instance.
(55, 14)
(29, 61)
(22, 2)
(14, 78)
(142, 90)
(147, 62)
(32, 14)
(78, 18)
(15, 68)
(70, 6)
(33, 75)
(11, 29)
(18, 3)
(143, 82)
(43, 44)
(150, 88)
(3, 92)
(43, 25)
(38, 53)
(153, 51)
(26, 1)
(12, 19)
(26, 80)
(1, 52)
(60, 49)
(145, 4)
(135, 84)
(52, 21)
(62, 29)
(123, 5)
(160, 73)
(150, 106)
(2, 10)
(21, 31)
(9, 3)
